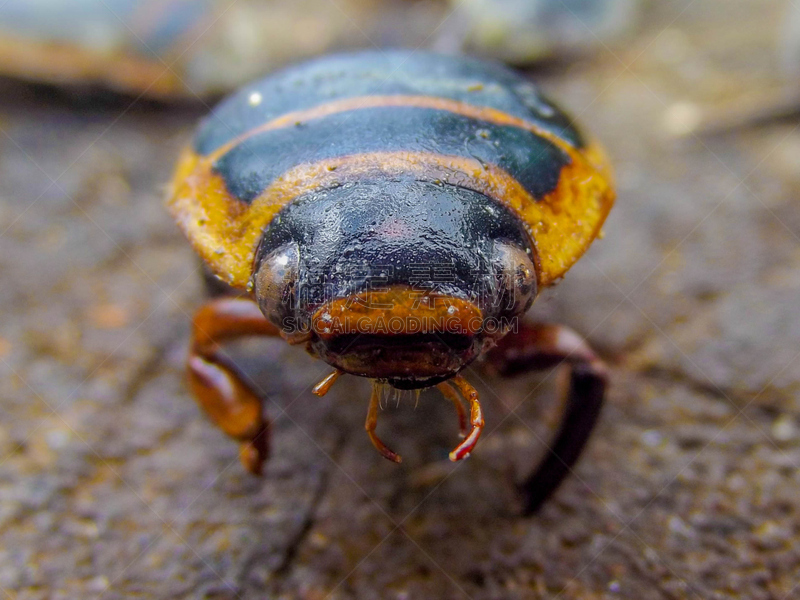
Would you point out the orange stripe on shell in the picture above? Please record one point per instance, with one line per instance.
(226, 232)
(481, 113)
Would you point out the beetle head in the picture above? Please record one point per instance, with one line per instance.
(405, 281)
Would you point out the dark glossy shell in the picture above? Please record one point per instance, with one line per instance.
(457, 122)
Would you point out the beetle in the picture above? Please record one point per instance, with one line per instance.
(394, 213)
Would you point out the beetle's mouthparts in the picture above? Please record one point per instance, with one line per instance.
(469, 431)
(411, 339)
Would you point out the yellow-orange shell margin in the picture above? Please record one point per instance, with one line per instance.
(225, 231)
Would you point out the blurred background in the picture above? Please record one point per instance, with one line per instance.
(113, 485)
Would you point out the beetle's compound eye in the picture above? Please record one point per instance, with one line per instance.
(276, 282)
(516, 279)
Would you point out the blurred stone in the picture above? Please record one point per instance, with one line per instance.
(521, 32)
(193, 48)
(790, 43)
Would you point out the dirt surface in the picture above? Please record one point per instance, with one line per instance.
(113, 485)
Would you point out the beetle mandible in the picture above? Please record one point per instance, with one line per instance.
(331, 192)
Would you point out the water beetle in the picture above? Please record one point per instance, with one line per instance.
(394, 213)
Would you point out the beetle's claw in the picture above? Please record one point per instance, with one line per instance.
(372, 423)
(385, 451)
(475, 419)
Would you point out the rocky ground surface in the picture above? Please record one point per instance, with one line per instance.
(113, 485)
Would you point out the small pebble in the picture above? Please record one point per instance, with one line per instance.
(98, 584)
(651, 437)
(109, 316)
(784, 428)
(57, 439)
(682, 118)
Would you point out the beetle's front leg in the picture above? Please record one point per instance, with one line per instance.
(540, 346)
(219, 386)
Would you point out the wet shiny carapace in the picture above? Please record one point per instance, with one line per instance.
(395, 214)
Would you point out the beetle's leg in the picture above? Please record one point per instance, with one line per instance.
(541, 346)
(475, 419)
(219, 386)
(449, 393)
(372, 423)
